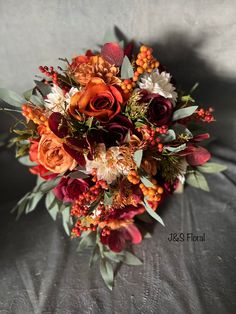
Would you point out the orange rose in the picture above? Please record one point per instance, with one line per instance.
(97, 100)
(52, 155)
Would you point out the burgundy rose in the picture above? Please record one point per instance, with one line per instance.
(58, 124)
(117, 129)
(69, 189)
(116, 240)
(160, 109)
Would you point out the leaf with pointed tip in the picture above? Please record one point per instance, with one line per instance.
(184, 112)
(168, 137)
(11, 98)
(107, 273)
(212, 167)
(146, 182)
(131, 259)
(44, 89)
(138, 155)
(197, 180)
(152, 212)
(126, 69)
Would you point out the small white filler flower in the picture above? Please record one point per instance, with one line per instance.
(58, 102)
(159, 83)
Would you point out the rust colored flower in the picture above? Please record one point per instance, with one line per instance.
(97, 100)
(52, 155)
(85, 68)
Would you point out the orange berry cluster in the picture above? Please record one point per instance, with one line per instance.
(127, 86)
(34, 114)
(145, 62)
(153, 193)
(133, 177)
(81, 205)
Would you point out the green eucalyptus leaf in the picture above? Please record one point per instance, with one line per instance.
(211, 167)
(44, 89)
(175, 149)
(37, 100)
(49, 185)
(152, 212)
(115, 257)
(11, 98)
(169, 137)
(33, 201)
(66, 219)
(131, 259)
(138, 155)
(126, 69)
(108, 199)
(87, 241)
(107, 273)
(197, 180)
(26, 161)
(146, 182)
(183, 113)
(95, 256)
(27, 94)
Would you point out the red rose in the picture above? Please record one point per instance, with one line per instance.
(69, 189)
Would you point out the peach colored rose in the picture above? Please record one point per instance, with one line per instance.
(52, 155)
(97, 100)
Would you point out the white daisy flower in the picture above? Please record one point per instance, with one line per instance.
(58, 102)
(159, 83)
(106, 163)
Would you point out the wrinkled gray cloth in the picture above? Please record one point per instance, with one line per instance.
(40, 270)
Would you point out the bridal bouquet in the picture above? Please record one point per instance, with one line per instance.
(109, 136)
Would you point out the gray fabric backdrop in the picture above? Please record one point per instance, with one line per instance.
(39, 269)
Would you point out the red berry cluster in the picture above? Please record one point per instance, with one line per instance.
(206, 115)
(50, 72)
(151, 135)
(105, 231)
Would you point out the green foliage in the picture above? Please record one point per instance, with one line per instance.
(126, 69)
(183, 112)
(87, 240)
(169, 167)
(146, 181)
(138, 155)
(11, 98)
(197, 180)
(169, 137)
(152, 212)
(66, 218)
(211, 167)
(107, 272)
(174, 150)
(30, 201)
(136, 110)
(108, 199)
